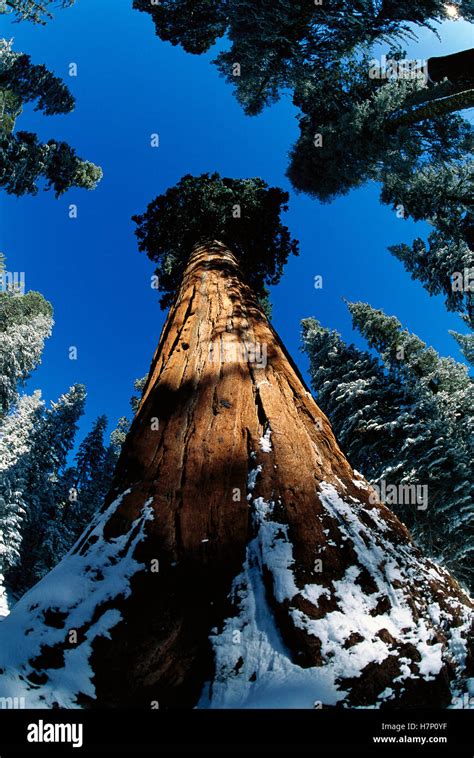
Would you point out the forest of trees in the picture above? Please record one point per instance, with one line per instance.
(46, 499)
(404, 419)
(244, 506)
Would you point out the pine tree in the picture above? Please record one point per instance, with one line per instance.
(139, 385)
(362, 402)
(410, 424)
(36, 11)
(17, 432)
(43, 535)
(390, 129)
(118, 436)
(439, 193)
(466, 343)
(25, 323)
(86, 483)
(23, 158)
(375, 125)
(29, 82)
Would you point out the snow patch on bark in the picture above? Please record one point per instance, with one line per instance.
(254, 668)
(265, 443)
(75, 591)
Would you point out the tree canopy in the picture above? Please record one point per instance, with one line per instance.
(371, 126)
(242, 213)
(440, 193)
(36, 11)
(277, 42)
(403, 132)
(29, 82)
(23, 158)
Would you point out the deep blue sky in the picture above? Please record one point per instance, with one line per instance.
(130, 85)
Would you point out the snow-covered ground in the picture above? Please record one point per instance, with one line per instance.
(76, 589)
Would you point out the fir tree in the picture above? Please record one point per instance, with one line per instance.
(23, 158)
(391, 130)
(118, 435)
(439, 193)
(25, 323)
(139, 385)
(466, 344)
(37, 11)
(17, 432)
(87, 482)
(29, 82)
(374, 126)
(275, 44)
(407, 422)
(81, 488)
(44, 538)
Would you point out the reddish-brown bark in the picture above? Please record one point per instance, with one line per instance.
(195, 439)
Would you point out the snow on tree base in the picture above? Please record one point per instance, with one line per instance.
(407, 626)
(69, 600)
(375, 649)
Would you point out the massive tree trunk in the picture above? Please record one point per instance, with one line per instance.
(282, 580)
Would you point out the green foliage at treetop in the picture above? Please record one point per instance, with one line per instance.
(277, 42)
(241, 213)
(29, 82)
(370, 127)
(24, 160)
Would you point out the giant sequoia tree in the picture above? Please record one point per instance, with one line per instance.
(238, 560)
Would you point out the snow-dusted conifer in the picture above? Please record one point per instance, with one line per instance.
(406, 424)
(25, 323)
(43, 535)
(17, 434)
